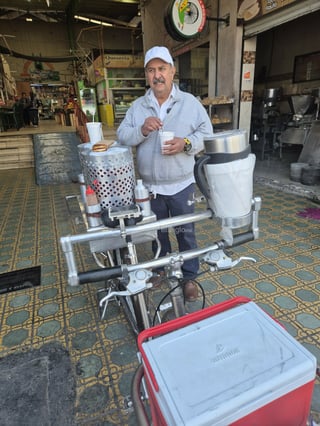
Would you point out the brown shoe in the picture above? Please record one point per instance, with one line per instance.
(157, 280)
(190, 291)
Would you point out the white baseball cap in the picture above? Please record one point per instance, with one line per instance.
(159, 52)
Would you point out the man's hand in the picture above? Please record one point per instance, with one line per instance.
(150, 125)
(174, 146)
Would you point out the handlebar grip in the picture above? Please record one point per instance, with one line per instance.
(99, 274)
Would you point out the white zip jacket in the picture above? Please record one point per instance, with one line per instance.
(187, 118)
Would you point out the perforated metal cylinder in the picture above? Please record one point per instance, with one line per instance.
(111, 174)
(84, 151)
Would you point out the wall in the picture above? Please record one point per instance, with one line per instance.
(229, 56)
(247, 83)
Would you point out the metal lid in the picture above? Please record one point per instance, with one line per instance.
(230, 142)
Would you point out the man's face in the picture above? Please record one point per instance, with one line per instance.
(160, 76)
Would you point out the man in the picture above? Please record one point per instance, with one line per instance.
(25, 104)
(34, 110)
(168, 174)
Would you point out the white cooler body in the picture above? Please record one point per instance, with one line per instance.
(221, 369)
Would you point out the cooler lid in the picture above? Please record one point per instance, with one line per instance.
(222, 368)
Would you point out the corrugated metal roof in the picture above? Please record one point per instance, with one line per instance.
(55, 10)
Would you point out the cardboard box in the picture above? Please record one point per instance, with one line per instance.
(229, 364)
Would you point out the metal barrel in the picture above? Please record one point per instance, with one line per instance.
(111, 175)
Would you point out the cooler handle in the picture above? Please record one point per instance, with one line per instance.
(183, 322)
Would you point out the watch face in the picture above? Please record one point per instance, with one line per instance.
(187, 147)
(187, 18)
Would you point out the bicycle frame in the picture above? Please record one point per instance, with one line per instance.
(137, 274)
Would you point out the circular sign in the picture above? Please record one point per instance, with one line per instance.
(187, 18)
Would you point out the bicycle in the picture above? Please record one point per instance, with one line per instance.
(128, 280)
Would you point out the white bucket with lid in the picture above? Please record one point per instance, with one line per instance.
(296, 171)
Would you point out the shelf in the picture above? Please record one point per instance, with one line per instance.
(217, 101)
(125, 78)
(218, 104)
(127, 88)
(221, 123)
(220, 110)
(121, 87)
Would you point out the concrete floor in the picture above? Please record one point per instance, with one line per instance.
(275, 172)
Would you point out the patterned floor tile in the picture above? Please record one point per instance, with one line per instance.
(284, 281)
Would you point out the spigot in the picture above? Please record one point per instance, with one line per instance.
(195, 200)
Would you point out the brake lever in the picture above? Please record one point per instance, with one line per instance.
(218, 260)
(137, 283)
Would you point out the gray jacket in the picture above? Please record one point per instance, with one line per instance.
(187, 119)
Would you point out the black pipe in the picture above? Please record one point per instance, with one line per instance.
(225, 20)
(6, 51)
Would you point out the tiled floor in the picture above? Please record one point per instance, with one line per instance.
(285, 281)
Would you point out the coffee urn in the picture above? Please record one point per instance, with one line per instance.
(224, 174)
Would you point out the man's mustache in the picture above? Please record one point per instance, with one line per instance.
(158, 80)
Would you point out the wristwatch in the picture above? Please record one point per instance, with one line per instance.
(187, 146)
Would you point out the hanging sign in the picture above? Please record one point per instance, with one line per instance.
(186, 19)
(250, 9)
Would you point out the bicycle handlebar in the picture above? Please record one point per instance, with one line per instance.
(100, 274)
(118, 271)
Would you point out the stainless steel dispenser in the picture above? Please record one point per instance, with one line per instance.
(225, 177)
(111, 174)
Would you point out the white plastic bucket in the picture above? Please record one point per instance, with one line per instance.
(296, 171)
(95, 132)
(231, 187)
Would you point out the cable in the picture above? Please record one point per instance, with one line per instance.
(181, 283)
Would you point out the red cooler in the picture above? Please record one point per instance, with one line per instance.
(229, 364)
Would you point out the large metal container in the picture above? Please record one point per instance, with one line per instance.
(271, 96)
(111, 174)
(300, 104)
(224, 175)
(84, 150)
(230, 142)
(272, 93)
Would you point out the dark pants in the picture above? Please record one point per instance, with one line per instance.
(165, 206)
(34, 117)
(26, 117)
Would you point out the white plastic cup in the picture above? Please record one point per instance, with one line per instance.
(95, 132)
(165, 136)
